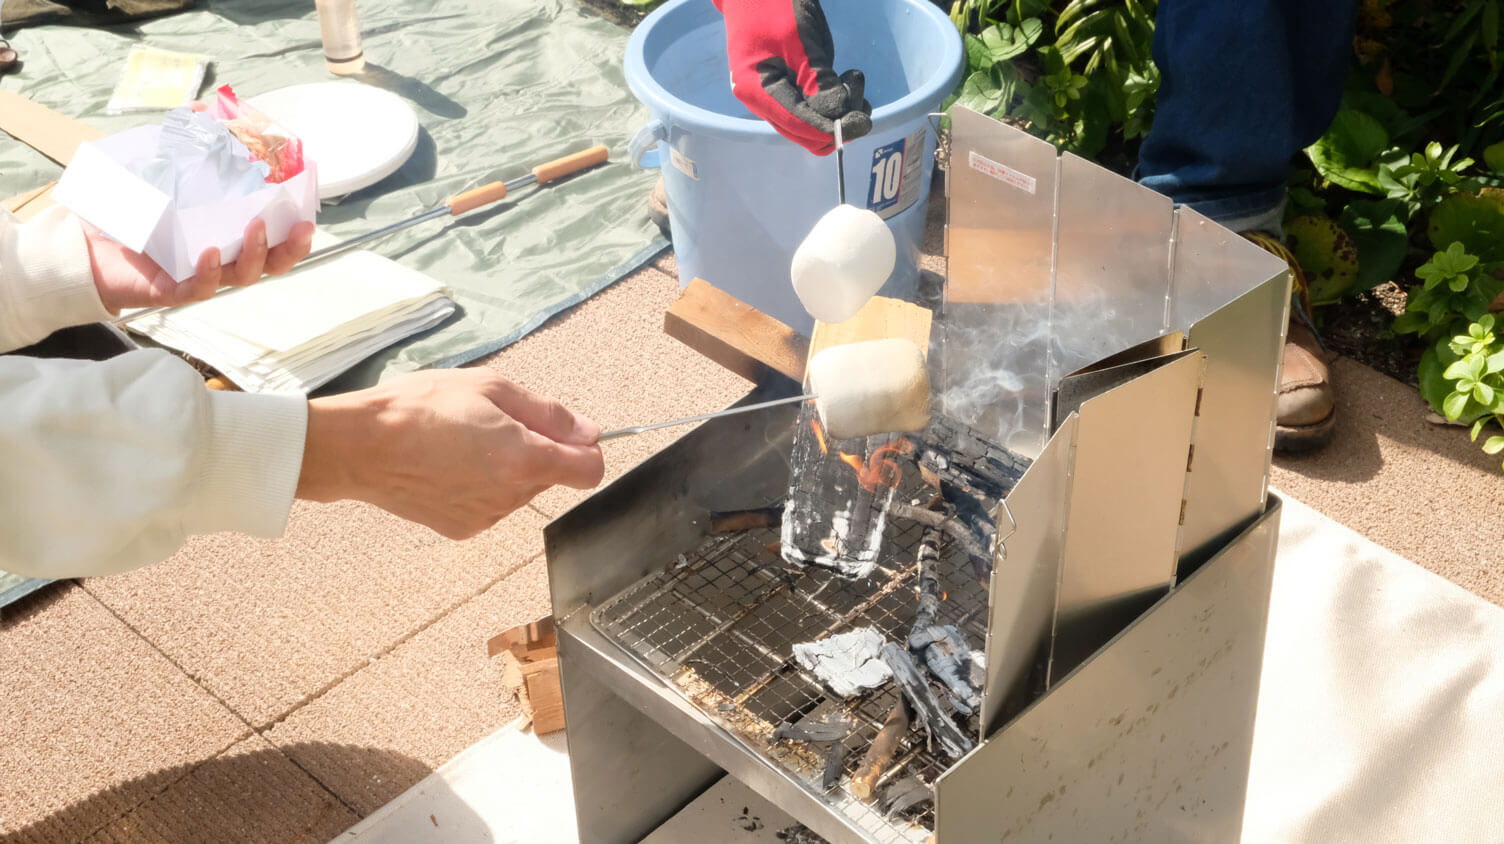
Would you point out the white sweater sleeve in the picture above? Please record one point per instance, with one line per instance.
(107, 466)
(110, 465)
(45, 279)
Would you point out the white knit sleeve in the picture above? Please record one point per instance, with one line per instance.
(45, 279)
(107, 466)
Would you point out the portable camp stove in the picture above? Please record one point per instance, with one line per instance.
(1106, 369)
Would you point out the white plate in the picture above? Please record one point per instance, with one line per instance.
(355, 134)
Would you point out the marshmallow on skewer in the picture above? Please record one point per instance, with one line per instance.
(871, 387)
(842, 262)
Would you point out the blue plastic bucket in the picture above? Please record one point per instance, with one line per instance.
(741, 197)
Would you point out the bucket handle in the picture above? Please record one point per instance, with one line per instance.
(642, 150)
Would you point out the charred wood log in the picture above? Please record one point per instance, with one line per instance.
(739, 520)
(942, 731)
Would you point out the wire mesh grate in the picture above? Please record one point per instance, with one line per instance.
(719, 623)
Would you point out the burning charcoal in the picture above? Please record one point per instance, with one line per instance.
(848, 662)
(904, 795)
(943, 733)
(833, 725)
(835, 758)
(948, 657)
(739, 520)
(839, 494)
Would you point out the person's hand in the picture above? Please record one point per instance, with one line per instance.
(782, 68)
(127, 279)
(455, 449)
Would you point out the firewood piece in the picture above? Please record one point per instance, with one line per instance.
(835, 759)
(831, 726)
(952, 526)
(881, 753)
(948, 657)
(942, 731)
(928, 582)
(739, 520)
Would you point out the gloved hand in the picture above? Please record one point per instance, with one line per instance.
(782, 58)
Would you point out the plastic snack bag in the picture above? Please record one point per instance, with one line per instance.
(267, 141)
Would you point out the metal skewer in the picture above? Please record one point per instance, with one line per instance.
(454, 206)
(840, 166)
(623, 432)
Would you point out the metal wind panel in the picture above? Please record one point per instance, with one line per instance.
(1025, 575)
(1150, 740)
(1000, 249)
(1243, 342)
(1212, 267)
(1112, 267)
(1124, 512)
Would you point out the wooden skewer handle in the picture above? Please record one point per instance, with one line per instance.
(572, 163)
(476, 197)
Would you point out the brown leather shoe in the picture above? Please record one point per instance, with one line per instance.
(1305, 412)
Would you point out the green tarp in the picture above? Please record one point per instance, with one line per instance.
(498, 85)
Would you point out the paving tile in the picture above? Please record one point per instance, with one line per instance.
(251, 792)
(93, 720)
(265, 625)
(610, 360)
(1421, 490)
(432, 697)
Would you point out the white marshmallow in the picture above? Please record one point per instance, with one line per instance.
(871, 387)
(842, 262)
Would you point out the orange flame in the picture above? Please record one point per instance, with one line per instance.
(814, 423)
(881, 469)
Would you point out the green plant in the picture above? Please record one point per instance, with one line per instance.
(1078, 73)
(1477, 381)
(1451, 292)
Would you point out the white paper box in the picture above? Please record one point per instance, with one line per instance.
(102, 190)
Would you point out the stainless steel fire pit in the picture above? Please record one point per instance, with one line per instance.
(1123, 450)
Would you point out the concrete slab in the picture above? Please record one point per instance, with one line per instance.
(94, 721)
(250, 791)
(429, 699)
(267, 625)
(611, 361)
(1421, 490)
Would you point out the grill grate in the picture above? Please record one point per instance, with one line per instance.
(720, 621)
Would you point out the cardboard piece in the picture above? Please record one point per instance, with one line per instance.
(531, 656)
(100, 187)
(49, 133)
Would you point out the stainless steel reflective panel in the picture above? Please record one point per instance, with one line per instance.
(1150, 740)
(1124, 509)
(1000, 239)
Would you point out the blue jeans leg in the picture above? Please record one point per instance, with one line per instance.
(1245, 85)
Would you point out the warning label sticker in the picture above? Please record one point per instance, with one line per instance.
(894, 178)
(1002, 172)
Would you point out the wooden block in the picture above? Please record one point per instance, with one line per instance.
(734, 334)
(523, 637)
(880, 319)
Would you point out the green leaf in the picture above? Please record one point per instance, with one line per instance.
(1378, 230)
(978, 57)
(980, 93)
(1477, 426)
(1459, 55)
(1454, 405)
(1456, 371)
(1483, 394)
(1474, 221)
(1494, 363)
(1493, 157)
(1345, 154)
(1457, 283)
(1004, 41)
(1433, 387)
(1493, 445)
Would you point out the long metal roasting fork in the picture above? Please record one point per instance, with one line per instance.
(623, 432)
(454, 206)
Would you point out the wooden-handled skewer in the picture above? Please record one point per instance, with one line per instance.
(454, 206)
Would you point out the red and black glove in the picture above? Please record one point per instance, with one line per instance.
(782, 68)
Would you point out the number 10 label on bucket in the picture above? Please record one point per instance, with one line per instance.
(893, 180)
